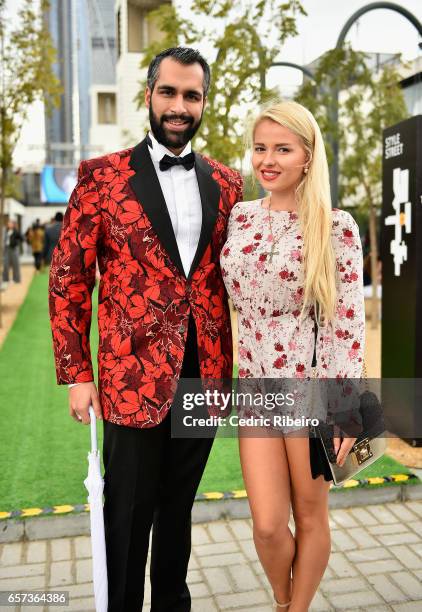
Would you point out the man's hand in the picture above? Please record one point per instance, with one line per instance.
(81, 397)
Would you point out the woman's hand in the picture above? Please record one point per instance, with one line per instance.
(342, 447)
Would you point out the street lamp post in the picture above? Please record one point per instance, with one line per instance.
(305, 70)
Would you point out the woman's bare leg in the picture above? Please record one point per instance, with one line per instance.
(312, 532)
(266, 476)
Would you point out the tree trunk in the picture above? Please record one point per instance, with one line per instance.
(374, 265)
(373, 254)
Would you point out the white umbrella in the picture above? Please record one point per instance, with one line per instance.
(95, 485)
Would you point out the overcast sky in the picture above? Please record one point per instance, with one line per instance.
(378, 31)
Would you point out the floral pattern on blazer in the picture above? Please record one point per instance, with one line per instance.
(118, 217)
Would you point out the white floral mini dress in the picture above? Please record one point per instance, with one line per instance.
(267, 293)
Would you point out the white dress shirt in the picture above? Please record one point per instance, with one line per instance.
(181, 194)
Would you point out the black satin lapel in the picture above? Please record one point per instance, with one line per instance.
(148, 191)
(210, 197)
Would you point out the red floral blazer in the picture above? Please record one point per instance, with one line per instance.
(117, 215)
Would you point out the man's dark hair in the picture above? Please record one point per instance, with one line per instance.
(58, 216)
(183, 55)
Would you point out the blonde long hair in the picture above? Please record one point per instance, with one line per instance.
(314, 200)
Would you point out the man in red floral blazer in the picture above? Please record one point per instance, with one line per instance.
(154, 217)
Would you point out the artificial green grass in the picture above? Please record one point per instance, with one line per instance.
(223, 468)
(43, 450)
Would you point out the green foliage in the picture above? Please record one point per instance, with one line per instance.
(362, 163)
(369, 102)
(26, 73)
(242, 36)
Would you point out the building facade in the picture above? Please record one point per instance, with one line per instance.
(84, 34)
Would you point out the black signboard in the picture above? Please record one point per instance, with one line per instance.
(401, 255)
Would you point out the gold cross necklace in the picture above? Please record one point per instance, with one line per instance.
(274, 242)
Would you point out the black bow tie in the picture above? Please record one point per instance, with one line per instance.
(188, 162)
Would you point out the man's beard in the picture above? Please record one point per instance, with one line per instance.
(173, 140)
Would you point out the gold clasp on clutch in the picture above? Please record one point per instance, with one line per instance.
(362, 451)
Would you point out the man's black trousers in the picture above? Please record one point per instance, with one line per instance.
(151, 481)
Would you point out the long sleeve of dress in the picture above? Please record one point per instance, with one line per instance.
(340, 344)
(72, 280)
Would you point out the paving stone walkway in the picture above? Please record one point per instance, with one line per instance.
(375, 565)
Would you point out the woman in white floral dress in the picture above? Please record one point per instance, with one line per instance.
(288, 256)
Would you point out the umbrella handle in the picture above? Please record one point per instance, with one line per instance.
(93, 418)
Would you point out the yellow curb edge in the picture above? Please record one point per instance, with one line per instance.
(210, 496)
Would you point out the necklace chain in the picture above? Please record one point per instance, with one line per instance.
(269, 218)
(274, 241)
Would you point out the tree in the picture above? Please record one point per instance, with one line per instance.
(26, 74)
(370, 101)
(246, 37)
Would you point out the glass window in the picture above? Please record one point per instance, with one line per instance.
(106, 108)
